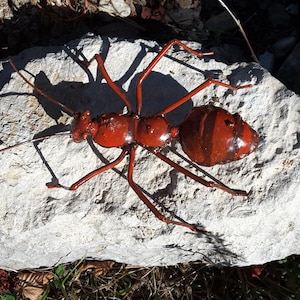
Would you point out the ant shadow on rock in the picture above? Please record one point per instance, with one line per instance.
(218, 254)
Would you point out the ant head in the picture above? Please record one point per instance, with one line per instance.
(82, 126)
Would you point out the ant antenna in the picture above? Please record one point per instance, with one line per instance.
(35, 140)
(69, 110)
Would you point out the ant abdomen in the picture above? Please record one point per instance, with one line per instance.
(210, 135)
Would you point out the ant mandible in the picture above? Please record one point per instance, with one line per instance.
(208, 135)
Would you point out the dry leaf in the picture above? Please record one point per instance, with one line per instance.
(100, 268)
(33, 285)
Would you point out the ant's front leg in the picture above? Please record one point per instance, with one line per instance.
(109, 81)
(90, 175)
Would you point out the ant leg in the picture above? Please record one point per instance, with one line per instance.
(112, 85)
(206, 183)
(87, 177)
(197, 90)
(137, 190)
(154, 62)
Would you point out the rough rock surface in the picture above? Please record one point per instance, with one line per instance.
(104, 219)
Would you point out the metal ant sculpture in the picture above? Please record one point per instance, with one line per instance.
(209, 135)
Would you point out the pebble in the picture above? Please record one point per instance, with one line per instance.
(289, 72)
(283, 46)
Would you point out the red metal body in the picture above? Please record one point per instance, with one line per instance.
(209, 135)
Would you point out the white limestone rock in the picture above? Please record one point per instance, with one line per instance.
(104, 219)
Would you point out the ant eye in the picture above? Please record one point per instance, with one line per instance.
(229, 123)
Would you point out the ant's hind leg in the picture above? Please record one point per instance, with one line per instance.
(206, 183)
(154, 62)
(199, 88)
